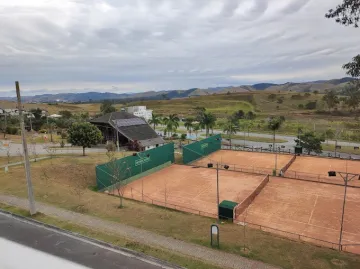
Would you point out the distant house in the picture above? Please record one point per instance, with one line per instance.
(11, 111)
(55, 116)
(44, 113)
(128, 130)
(140, 111)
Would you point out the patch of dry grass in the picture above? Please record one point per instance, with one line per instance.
(55, 182)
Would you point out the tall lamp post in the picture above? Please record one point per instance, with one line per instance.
(346, 177)
(210, 165)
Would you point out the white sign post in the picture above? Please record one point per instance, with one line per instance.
(214, 235)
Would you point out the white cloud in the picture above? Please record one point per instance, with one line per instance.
(165, 44)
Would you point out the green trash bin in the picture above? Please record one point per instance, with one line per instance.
(226, 209)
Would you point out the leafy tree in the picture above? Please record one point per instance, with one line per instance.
(331, 99)
(238, 115)
(231, 127)
(199, 112)
(353, 94)
(189, 124)
(311, 142)
(155, 120)
(207, 122)
(348, 14)
(250, 115)
(274, 124)
(311, 105)
(196, 129)
(84, 134)
(36, 112)
(329, 134)
(66, 114)
(316, 92)
(107, 107)
(272, 97)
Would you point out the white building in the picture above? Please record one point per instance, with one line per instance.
(2, 111)
(140, 111)
(11, 111)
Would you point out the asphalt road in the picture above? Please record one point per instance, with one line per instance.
(24, 244)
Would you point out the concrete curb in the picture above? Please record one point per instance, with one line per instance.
(134, 254)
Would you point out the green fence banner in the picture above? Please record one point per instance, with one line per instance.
(202, 148)
(131, 166)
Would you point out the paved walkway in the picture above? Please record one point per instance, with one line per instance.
(208, 255)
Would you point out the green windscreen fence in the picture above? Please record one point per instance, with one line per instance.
(133, 167)
(202, 148)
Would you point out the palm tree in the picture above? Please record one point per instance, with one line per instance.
(274, 124)
(196, 129)
(172, 123)
(207, 121)
(189, 124)
(155, 120)
(231, 127)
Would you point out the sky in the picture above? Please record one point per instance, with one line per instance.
(54, 46)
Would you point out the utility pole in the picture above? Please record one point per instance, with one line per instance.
(30, 122)
(5, 126)
(26, 154)
(117, 140)
(276, 161)
(217, 191)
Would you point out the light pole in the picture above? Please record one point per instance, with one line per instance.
(32, 206)
(346, 177)
(210, 165)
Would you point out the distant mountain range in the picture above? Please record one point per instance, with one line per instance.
(320, 85)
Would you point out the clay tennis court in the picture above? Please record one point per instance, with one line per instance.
(192, 189)
(255, 162)
(309, 209)
(315, 168)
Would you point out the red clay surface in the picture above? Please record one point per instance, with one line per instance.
(315, 168)
(192, 189)
(256, 162)
(309, 209)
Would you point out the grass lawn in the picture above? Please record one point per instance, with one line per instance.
(220, 105)
(57, 181)
(114, 240)
(344, 149)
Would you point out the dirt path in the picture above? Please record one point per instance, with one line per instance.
(219, 258)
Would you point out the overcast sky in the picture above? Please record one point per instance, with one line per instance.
(137, 45)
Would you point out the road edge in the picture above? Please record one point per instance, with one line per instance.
(128, 252)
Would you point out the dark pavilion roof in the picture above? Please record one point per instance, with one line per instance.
(132, 127)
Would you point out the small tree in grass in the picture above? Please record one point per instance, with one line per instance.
(311, 142)
(80, 183)
(119, 172)
(84, 134)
